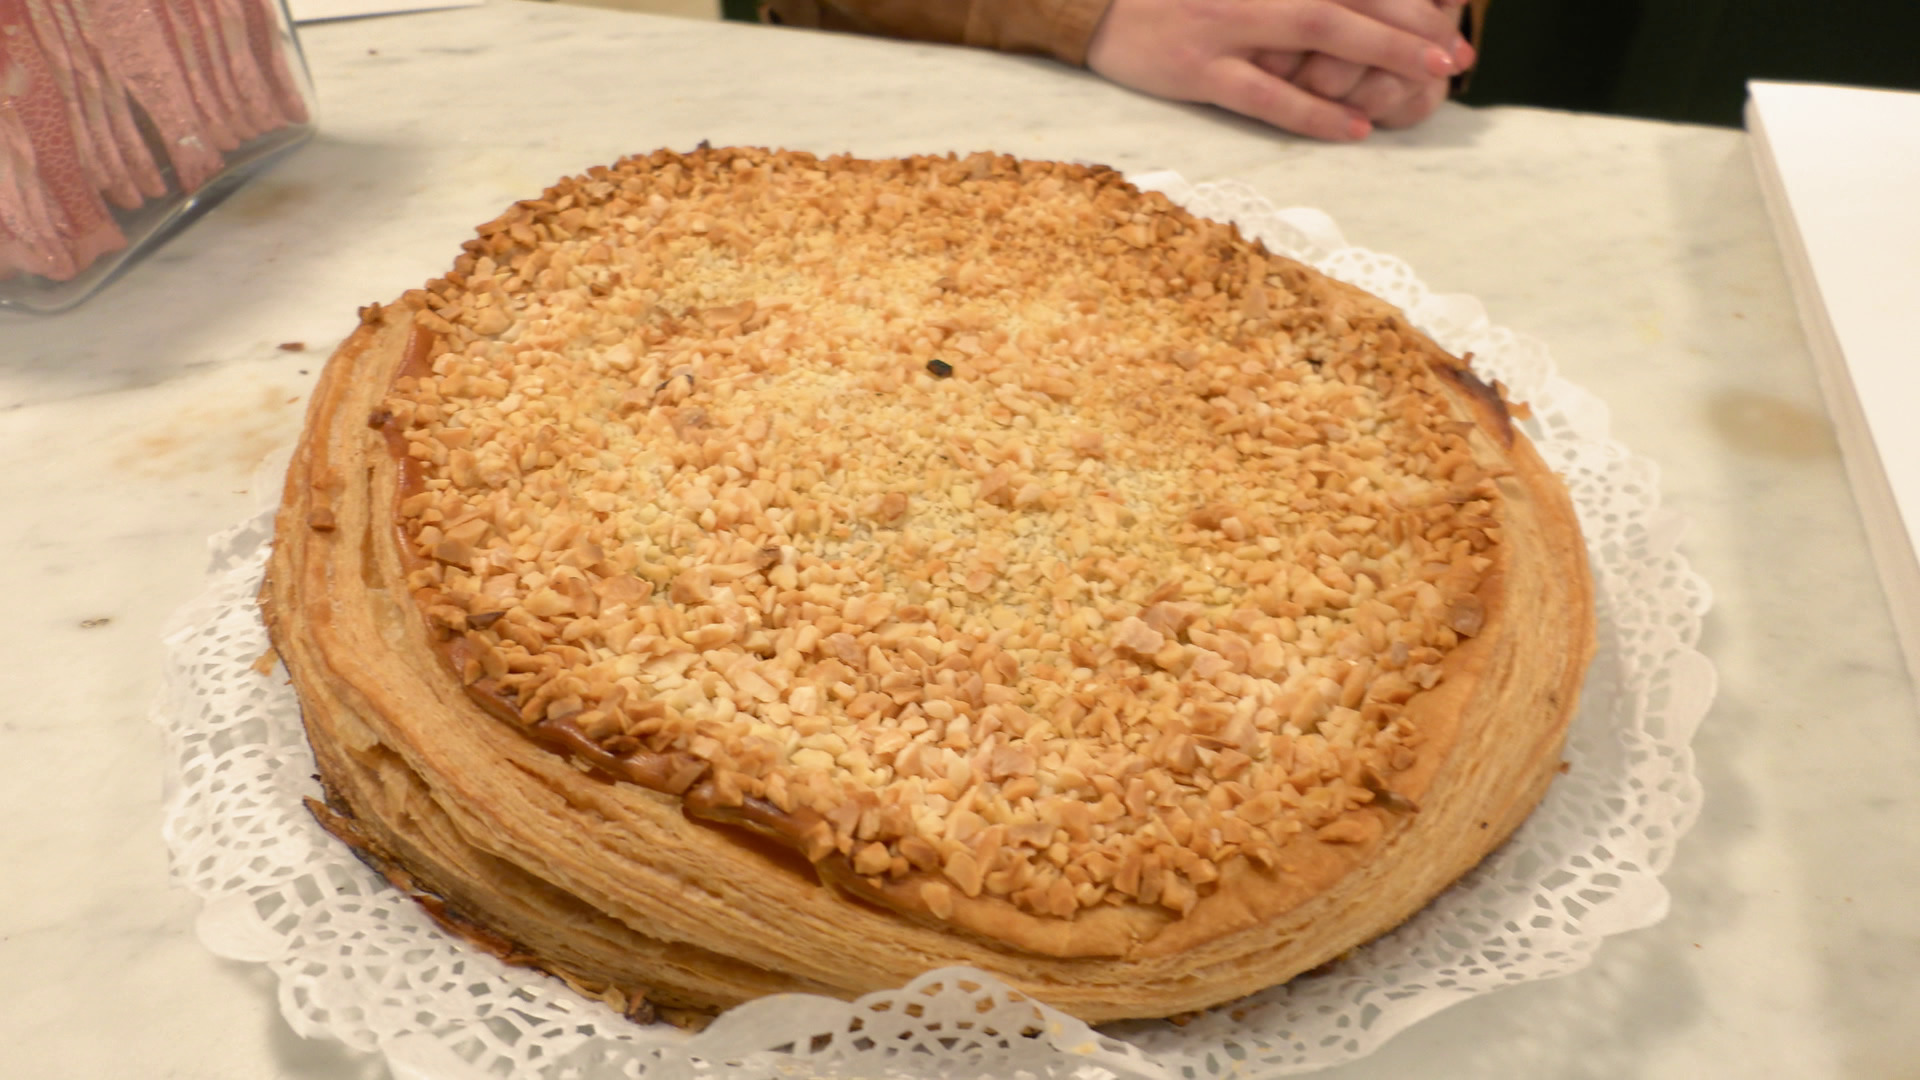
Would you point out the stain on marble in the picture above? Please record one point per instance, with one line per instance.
(226, 436)
(1768, 426)
(267, 200)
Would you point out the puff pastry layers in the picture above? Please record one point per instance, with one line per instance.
(749, 573)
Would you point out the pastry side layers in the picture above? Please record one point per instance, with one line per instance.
(616, 886)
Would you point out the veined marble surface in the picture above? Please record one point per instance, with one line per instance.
(130, 430)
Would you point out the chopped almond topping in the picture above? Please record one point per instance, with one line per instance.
(1021, 534)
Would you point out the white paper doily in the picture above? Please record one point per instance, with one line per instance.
(360, 963)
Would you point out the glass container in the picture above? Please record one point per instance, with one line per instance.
(123, 120)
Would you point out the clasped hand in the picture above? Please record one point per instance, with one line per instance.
(1331, 69)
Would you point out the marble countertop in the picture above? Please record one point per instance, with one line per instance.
(130, 430)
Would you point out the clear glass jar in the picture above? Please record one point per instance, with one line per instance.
(123, 120)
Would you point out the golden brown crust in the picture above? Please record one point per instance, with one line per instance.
(1337, 682)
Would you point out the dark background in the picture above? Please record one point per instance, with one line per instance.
(1674, 59)
(1686, 59)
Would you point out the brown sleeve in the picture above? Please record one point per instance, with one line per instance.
(1058, 28)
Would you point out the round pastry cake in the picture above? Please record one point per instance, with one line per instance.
(748, 572)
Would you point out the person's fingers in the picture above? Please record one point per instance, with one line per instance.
(1280, 64)
(1327, 27)
(1413, 108)
(1246, 55)
(1464, 54)
(1330, 77)
(1241, 86)
(1382, 95)
(1430, 20)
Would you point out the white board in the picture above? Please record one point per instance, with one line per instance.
(1840, 170)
